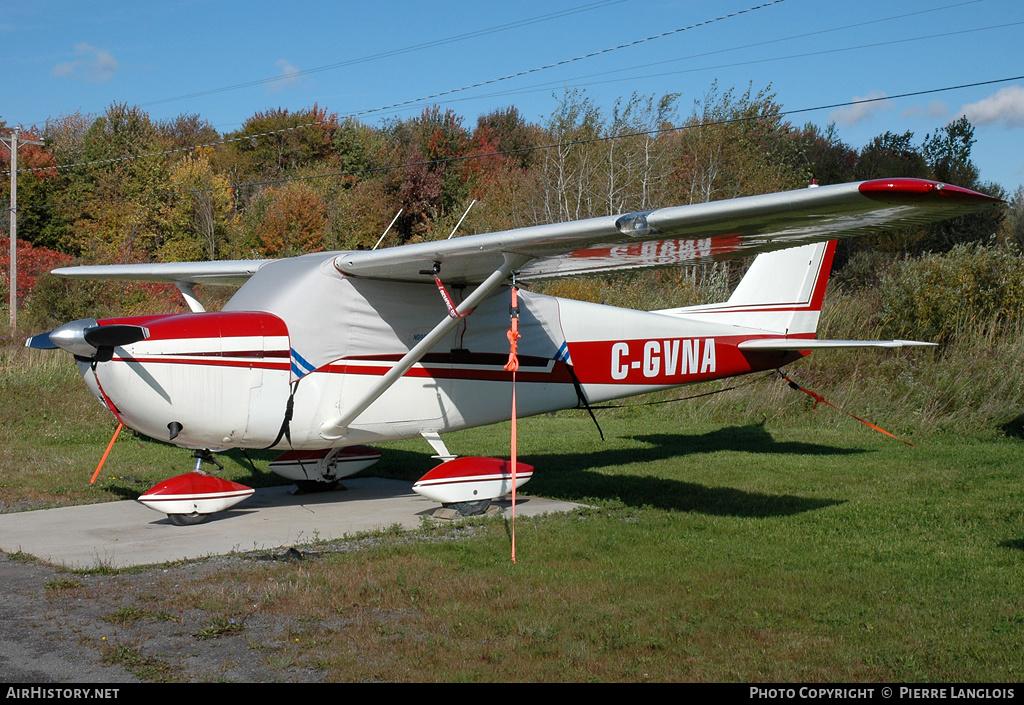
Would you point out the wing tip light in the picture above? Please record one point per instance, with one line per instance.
(901, 189)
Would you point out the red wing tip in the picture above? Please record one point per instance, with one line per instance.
(903, 188)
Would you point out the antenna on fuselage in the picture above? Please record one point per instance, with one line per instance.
(461, 219)
(388, 229)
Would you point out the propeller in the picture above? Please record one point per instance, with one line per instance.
(88, 340)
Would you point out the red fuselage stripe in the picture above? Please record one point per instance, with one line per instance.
(663, 361)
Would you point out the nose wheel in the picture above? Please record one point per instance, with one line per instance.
(192, 498)
(192, 519)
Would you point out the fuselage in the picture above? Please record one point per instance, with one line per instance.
(266, 378)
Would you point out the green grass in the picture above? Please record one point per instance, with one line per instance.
(740, 553)
(743, 537)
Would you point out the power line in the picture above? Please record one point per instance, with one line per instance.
(565, 62)
(398, 52)
(250, 137)
(573, 82)
(413, 101)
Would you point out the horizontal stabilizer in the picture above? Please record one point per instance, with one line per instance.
(809, 344)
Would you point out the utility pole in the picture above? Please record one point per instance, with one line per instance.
(12, 144)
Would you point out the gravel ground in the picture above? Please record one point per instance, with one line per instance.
(56, 627)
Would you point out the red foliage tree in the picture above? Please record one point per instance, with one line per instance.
(32, 262)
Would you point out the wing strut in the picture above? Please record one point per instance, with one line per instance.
(189, 294)
(336, 428)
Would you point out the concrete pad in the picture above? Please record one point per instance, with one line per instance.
(125, 534)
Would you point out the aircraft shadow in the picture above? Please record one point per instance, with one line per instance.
(576, 477)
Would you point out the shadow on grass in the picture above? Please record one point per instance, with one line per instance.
(1014, 428)
(574, 476)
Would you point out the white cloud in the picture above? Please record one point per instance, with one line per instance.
(94, 66)
(289, 76)
(1005, 106)
(934, 109)
(862, 107)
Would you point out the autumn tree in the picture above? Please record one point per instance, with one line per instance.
(736, 145)
(507, 132)
(283, 222)
(33, 262)
(36, 174)
(274, 143)
(187, 132)
(199, 210)
(433, 182)
(357, 214)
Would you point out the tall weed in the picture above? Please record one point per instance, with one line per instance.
(955, 295)
(969, 301)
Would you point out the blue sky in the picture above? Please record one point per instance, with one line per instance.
(226, 60)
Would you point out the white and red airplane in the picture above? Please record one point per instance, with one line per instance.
(321, 354)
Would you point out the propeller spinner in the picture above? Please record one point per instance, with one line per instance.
(87, 339)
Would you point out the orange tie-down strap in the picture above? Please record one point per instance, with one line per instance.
(820, 399)
(511, 366)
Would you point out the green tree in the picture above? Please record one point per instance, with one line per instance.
(888, 155)
(273, 143)
(948, 153)
(122, 218)
(567, 174)
(65, 140)
(1011, 231)
(891, 155)
(829, 160)
(200, 208)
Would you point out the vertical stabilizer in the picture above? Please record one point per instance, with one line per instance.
(782, 292)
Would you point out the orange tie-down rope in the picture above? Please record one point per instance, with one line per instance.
(511, 366)
(820, 399)
(117, 432)
(106, 453)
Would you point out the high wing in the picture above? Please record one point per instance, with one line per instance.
(681, 235)
(216, 272)
(662, 237)
(183, 275)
